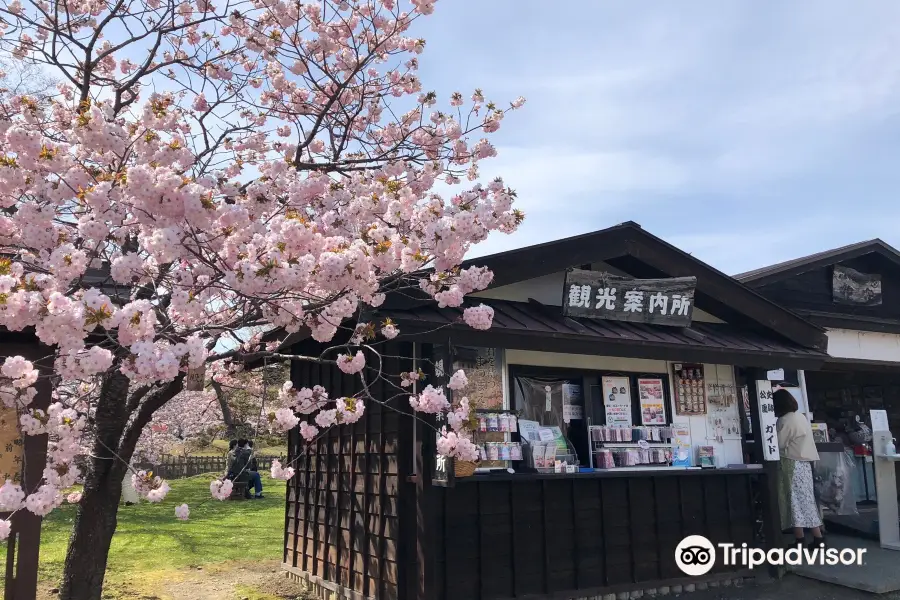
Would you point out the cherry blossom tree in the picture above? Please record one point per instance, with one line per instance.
(207, 172)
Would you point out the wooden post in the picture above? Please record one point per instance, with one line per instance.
(771, 469)
(25, 539)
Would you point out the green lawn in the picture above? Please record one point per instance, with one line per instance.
(150, 542)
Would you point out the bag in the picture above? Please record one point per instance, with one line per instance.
(834, 476)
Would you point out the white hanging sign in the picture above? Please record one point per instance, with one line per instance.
(767, 421)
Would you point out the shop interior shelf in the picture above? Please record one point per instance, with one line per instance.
(632, 444)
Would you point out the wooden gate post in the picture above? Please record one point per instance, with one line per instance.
(25, 538)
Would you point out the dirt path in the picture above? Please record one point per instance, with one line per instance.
(227, 581)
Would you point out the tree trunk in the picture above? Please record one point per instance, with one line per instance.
(95, 522)
(95, 525)
(230, 427)
(113, 448)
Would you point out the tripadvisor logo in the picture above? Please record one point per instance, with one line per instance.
(695, 555)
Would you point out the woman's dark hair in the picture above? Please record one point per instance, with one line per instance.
(250, 443)
(784, 402)
(232, 444)
(242, 441)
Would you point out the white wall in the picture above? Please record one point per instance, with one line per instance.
(865, 345)
(546, 290)
(549, 290)
(728, 452)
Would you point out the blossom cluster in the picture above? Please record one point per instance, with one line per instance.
(143, 227)
(279, 472)
(151, 487)
(220, 489)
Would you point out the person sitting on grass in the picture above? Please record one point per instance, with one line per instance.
(253, 467)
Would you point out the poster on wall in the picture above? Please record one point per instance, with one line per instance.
(690, 389)
(10, 446)
(681, 446)
(767, 421)
(617, 401)
(484, 370)
(652, 399)
(722, 421)
(573, 403)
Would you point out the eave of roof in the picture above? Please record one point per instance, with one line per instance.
(532, 326)
(783, 270)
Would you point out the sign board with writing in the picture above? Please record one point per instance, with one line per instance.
(599, 295)
(443, 475)
(767, 421)
(879, 420)
(195, 380)
(484, 371)
(849, 286)
(11, 446)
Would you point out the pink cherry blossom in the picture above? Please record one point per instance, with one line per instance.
(283, 420)
(279, 472)
(458, 381)
(154, 231)
(351, 365)
(457, 445)
(74, 498)
(5, 528)
(479, 317)
(431, 400)
(182, 512)
(221, 489)
(308, 432)
(11, 497)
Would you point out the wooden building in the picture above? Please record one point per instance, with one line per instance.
(372, 513)
(854, 293)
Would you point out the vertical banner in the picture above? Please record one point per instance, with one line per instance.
(617, 401)
(767, 421)
(11, 446)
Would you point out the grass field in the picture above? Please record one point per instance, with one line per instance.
(152, 549)
(220, 447)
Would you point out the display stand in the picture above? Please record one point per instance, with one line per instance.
(886, 479)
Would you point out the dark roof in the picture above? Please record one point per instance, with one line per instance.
(533, 326)
(632, 249)
(796, 266)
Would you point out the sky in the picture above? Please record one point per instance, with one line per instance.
(743, 132)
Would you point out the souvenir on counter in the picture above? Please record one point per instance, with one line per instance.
(690, 389)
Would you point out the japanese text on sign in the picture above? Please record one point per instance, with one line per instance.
(601, 295)
(767, 421)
